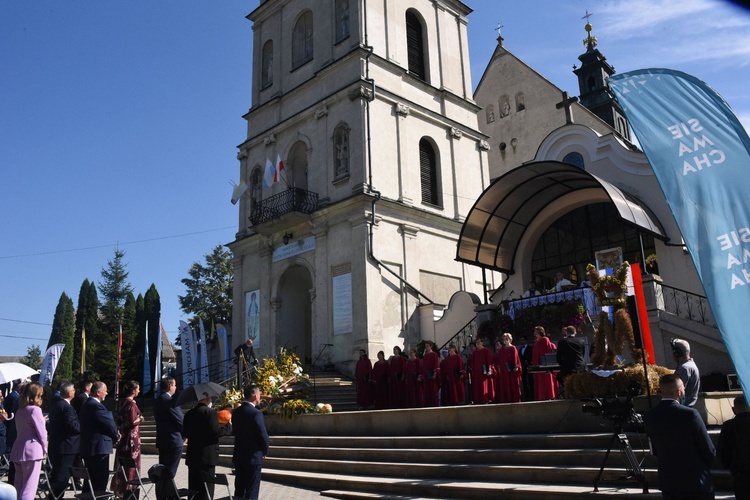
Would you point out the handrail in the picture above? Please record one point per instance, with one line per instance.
(291, 200)
(463, 337)
(685, 305)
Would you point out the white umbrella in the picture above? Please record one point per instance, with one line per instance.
(14, 371)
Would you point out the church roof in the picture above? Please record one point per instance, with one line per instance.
(498, 220)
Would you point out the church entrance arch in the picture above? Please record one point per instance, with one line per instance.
(294, 314)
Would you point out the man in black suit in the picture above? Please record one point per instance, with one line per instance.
(64, 433)
(168, 426)
(84, 389)
(250, 445)
(525, 352)
(11, 407)
(202, 430)
(570, 354)
(98, 434)
(679, 440)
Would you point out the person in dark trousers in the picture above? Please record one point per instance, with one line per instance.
(734, 447)
(98, 435)
(11, 407)
(250, 445)
(64, 434)
(680, 442)
(202, 430)
(169, 438)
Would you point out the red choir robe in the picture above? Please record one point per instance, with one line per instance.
(545, 384)
(397, 382)
(431, 366)
(380, 381)
(362, 377)
(453, 374)
(481, 376)
(507, 375)
(414, 393)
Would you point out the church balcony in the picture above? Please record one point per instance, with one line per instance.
(283, 208)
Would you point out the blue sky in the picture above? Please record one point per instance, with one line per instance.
(119, 122)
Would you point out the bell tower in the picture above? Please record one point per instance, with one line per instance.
(592, 85)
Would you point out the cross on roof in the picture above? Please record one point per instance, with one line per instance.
(566, 103)
(499, 27)
(586, 17)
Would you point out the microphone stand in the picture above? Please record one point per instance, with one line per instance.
(315, 393)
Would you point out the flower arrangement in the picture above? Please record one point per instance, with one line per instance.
(651, 260)
(275, 375)
(231, 398)
(291, 408)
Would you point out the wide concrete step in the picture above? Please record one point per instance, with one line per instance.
(458, 472)
(393, 487)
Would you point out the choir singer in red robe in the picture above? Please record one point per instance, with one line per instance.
(545, 383)
(508, 371)
(414, 376)
(431, 366)
(454, 375)
(380, 381)
(362, 377)
(482, 374)
(397, 379)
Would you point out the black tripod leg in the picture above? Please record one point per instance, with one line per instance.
(604, 462)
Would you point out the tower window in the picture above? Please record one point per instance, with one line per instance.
(302, 40)
(415, 45)
(576, 159)
(342, 19)
(267, 65)
(520, 102)
(428, 170)
(591, 83)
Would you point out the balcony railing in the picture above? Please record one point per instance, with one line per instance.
(684, 304)
(291, 200)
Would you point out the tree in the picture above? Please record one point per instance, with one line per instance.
(114, 288)
(209, 289)
(63, 331)
(33, 358)
(132, 352)
(87, 314)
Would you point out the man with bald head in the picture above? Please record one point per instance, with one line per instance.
(98, 436)
(680, 441)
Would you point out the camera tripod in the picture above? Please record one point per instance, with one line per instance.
(632, 467)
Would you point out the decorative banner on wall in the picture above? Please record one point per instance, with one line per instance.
(189, 358)
(224, 350)
(342, 299)
(204, 354)
(700, 154)
(252, 318)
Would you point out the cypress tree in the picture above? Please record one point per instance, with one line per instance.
(130, 349)
(63, 332)
(86, 318)
(140, 325)
(152, 311)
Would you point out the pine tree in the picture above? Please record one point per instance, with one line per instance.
(63, 331)
(152, 311)
(209, 289)
(86, 318)
(114, 288)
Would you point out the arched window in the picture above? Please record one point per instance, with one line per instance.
(429, 173)
(296, 165)
(302, 40)
(520, 102)
(340, 152)
(342, 19)
(267, 68)
(504, 106)
(256, 187)
(591, 83)
(416, 45)
(575, 158)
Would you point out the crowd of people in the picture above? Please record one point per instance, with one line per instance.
(451, 378)
(79, 431)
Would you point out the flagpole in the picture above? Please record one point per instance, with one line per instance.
(83, 350)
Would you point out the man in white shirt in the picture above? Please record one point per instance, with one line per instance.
(561, 282)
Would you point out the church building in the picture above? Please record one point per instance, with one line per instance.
(363, 156)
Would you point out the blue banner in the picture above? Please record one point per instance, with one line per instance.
(700, 154)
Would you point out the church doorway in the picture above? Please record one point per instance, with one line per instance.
(294, 315)
(570, 243)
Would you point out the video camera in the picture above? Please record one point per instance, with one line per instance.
(619, 412)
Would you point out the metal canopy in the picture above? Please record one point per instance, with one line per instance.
(496, 223)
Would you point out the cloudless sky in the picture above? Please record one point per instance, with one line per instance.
(119, 122)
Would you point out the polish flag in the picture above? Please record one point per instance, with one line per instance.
(279, 168)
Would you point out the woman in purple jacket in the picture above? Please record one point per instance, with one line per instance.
(31, 442)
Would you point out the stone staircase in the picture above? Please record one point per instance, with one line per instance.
(544, 450)
(332, 388)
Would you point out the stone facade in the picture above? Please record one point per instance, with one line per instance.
(335, 97)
